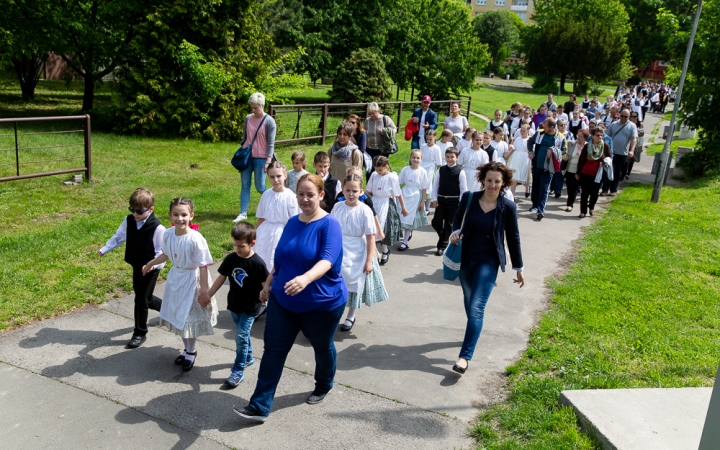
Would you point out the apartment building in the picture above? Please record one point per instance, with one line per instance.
(523, 8)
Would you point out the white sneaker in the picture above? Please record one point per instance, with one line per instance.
(240, 217)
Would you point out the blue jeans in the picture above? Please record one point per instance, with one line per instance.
(415, 143)
(477, 281)
(243, 346)
(540, 186)
(257, 166)
(558, 181)
(281, 329)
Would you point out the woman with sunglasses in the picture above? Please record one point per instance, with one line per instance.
(589, 165)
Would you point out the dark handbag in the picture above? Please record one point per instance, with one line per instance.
(241, 158)
(453, 252)
(563, 164)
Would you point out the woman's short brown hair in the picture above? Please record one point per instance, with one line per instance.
(495, 167)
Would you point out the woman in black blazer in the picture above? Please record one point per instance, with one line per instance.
(491, 218)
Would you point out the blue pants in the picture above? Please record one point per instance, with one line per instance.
(557, 182)
(243, 346)
(415, 143)
(281, 329)
(477, 281)
(540, 186)
(256, 166)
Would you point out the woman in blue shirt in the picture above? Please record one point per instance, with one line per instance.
(304, 293)
(490, 220)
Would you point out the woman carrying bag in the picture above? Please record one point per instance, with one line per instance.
(491, 218)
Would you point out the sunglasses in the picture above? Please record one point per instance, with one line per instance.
(624, 117)
(139, 212)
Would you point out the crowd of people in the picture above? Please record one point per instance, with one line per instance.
(321, 237)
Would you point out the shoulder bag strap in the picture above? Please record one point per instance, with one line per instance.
(467, 208)
(258, 130)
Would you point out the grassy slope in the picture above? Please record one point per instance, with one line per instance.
(639, 308)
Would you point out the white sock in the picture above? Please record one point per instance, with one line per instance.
(350, 315)
(408, 233)
(384, 248)
(189, 348)
(427, 205)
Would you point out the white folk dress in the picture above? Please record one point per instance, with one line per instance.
(384, 189)
(519, 160)
(180, 310)
(413, 181)
(357, 222)
(469, 160)
(276, 208)
(432, 159)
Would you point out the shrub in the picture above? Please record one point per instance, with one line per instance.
(516, 70)
(361, 78)
(544, 84)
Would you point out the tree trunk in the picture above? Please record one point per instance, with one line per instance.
(28, 71)
(563, 76)
(89, 92)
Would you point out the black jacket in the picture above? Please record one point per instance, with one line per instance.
(506, 226)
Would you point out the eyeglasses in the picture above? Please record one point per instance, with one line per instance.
(635, 116)
(139, 212)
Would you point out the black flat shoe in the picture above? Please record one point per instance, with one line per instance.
(527, 194)
(187, 364)
(460, 370)
(136, 341)
(403, 247)
(180, 359)
(344, 327)
(439, 252)
(592, 213)
(384, 258)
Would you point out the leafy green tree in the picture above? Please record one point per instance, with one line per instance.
(433, 47)
(26, 37)
(500, 30)
(361, 78)
(701, 91)
(587, 40)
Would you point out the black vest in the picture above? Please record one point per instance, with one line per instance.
(330, 192)
(139, 247)
(449, 183)
(490, 150)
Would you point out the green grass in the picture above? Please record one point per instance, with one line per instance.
(639, 307)
(658, 148)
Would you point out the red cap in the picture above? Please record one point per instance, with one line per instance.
(426, 98)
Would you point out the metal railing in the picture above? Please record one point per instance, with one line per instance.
(87, 157)
(296, 123)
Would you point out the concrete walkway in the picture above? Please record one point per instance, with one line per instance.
(69, 382)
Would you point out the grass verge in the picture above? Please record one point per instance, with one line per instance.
(657, 148)
(639, 307)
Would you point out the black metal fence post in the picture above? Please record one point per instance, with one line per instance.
(88, 150)
(17, 151)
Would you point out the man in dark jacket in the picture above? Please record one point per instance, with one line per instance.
(427, 119)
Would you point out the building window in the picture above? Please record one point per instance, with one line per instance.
(499, 2)
(520, 2)
(481, 2)
(522, 16)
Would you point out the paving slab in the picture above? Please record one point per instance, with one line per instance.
(642, 419)
(84, 351)
(40, 413)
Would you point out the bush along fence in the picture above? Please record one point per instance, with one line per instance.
(305, 122)
(28, 153)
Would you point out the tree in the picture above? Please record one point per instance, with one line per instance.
(500, 30)
(433, 48)
(587, 40)
(361, 78)
(699, 105)
(26, 38)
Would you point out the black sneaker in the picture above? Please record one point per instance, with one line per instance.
(540, 216)
(136, 341)
(316, 398)
(249, 413)
(439, 252)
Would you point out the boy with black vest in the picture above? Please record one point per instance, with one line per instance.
(450, 184)
(321, 163)
(142, 233)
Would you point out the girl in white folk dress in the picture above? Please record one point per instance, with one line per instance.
(519, 161)
(384, 188)
(415, 183)
(187, 309)
(276, 207)
(471, 158)
(360, 269)
(432, 159)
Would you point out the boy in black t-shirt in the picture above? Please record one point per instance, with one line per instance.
(247, 273)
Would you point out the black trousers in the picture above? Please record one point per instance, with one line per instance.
(590, 189)
(572, 188)
(443, 219)
(143, 286)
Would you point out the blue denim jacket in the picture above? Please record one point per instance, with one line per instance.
(506, 226)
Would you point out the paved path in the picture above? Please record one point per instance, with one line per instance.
(69, 382)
